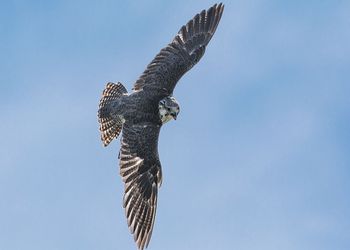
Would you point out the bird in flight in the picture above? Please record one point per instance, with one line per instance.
(139, 115)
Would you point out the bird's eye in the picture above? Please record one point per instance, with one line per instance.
(168, 109)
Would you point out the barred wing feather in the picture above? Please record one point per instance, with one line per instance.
(141, 172)
(186, 49)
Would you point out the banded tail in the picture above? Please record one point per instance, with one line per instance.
(110, 126)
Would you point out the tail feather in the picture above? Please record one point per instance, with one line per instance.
(110, 127)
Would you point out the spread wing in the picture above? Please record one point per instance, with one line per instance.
(141, 172)
(187, 48)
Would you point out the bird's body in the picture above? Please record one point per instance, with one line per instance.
(140, 115)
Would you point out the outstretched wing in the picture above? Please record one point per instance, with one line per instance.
(141, 172)
(187, 48)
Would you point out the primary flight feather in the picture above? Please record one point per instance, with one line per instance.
(140, 115)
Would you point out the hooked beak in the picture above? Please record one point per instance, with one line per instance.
(174, 115)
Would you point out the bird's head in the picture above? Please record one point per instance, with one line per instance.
(168, 109)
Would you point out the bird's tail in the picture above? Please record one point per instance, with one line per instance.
(110, 125)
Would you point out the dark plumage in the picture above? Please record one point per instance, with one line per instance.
(140, 115)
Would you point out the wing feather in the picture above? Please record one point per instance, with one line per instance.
(140, 170)
(186, 49)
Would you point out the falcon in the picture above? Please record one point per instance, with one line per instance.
(139, 115)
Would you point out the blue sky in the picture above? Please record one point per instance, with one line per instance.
(258, 158)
